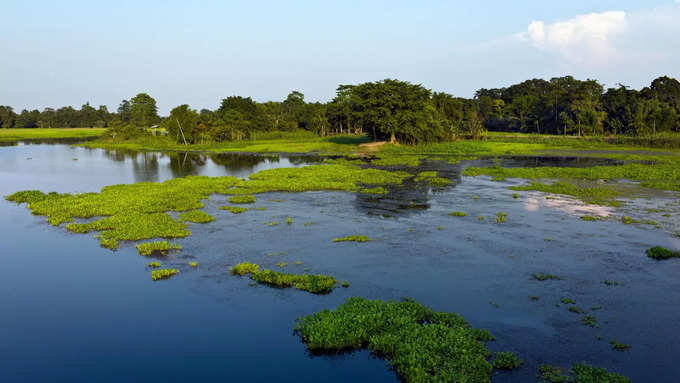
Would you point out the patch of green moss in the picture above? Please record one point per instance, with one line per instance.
(661, 253)
(420, 344)
(506, 360)
(234, 209)
(159, 274)
(352, 238)
(161, 247)
(242, 199)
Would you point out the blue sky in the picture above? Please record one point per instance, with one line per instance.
(198, 52)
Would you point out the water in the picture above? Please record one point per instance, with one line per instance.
(73, 311)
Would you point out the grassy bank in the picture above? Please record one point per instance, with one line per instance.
(10, 135)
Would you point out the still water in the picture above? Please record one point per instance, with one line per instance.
(72, 311)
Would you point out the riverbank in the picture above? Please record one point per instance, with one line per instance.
(13, 135)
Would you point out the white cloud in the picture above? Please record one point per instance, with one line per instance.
(582, 39)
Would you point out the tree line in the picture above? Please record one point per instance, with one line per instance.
(393, 110)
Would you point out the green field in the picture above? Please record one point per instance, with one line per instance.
(9, 135)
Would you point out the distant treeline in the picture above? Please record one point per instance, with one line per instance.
(394, 110)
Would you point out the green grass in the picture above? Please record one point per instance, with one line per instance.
(661, 253)
(315, 284)
(10, 135)
(579, 373)
(420, 344)
(352, 238)
(242, 199)
(196, 216)
(457, 214)
(234, 209)
(160, 247)
(159, 274)
(506, 360)
(386, 159)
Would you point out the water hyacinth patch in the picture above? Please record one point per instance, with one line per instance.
(457, 214)
(242, 199)
(160, 247)
(352, 238)
(159, 274)
(506, 360)
(315, 284)
(661, 253)
(196, 216)
(234, 209)
(245, 268)
(154, 264)
(420, 344)
(580, 373)
(544, 277)
(193, 264)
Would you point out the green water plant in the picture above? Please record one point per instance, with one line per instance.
(154, 264)
(345, 284)
(506, 360)
(421, 345)
(661, 253)
(352, 238)
(272, 223)
(457, 214)
(501, 217)
(234, 209)
(315, 284)
(159, 274)
(576, 309)
(289, 220)
(245, 268)
(193, 264)
(589, 320)
(619, 346)
(544, 277)
(567, 301)
(579, 373)
(242, 199)
(196, 216)
(159, 247)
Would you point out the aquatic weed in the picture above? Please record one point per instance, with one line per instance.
(457, 214)
(661, 253)
(154, 264)
(352, 238)
(196, 216)
(245, 268)
(160, 247)
(159, 274)
(544, 277)
(501, 217)
(619, 346)
(506, 360)
(234, 209)
(242, 199)
(193, 264)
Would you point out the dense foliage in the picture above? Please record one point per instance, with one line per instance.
(394, 110)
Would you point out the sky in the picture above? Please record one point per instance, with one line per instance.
(58, 53)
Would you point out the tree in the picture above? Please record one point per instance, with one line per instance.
(124, 111)
(182, 124)
(143, 110)
(7, 117)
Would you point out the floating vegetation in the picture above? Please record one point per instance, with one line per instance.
(567, 301)
(440, 227)
(576, 309)
(298, 262)
(160, 247)
(480, 218)
(628, 220)
(494, 304)
(420, 344)
(245, 268)
(242, 199)
(159, 274)
(431, 177)
(234, 209)
(534, 297)
(611, 283)
(310, 223)
(619, 346)
(281, 264)
(506, 360)
(661, 253)
(315, 284)
(154, 264)
(352, 238)
(580, 373)
(345, 284)
(457, 214)
(544, 277)
(196, 216)
(483, 335)
(501, 217)
(589, 320)
(193, 264)
(598, 195)
(272, 223)
(375, 190)
(595, 308)
(475, 198)
(289, 220)
(591, 218)
(397, 160)
(515, 195)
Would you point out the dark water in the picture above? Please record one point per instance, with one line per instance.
(72, 311)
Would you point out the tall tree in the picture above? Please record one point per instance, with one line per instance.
(143, 110)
